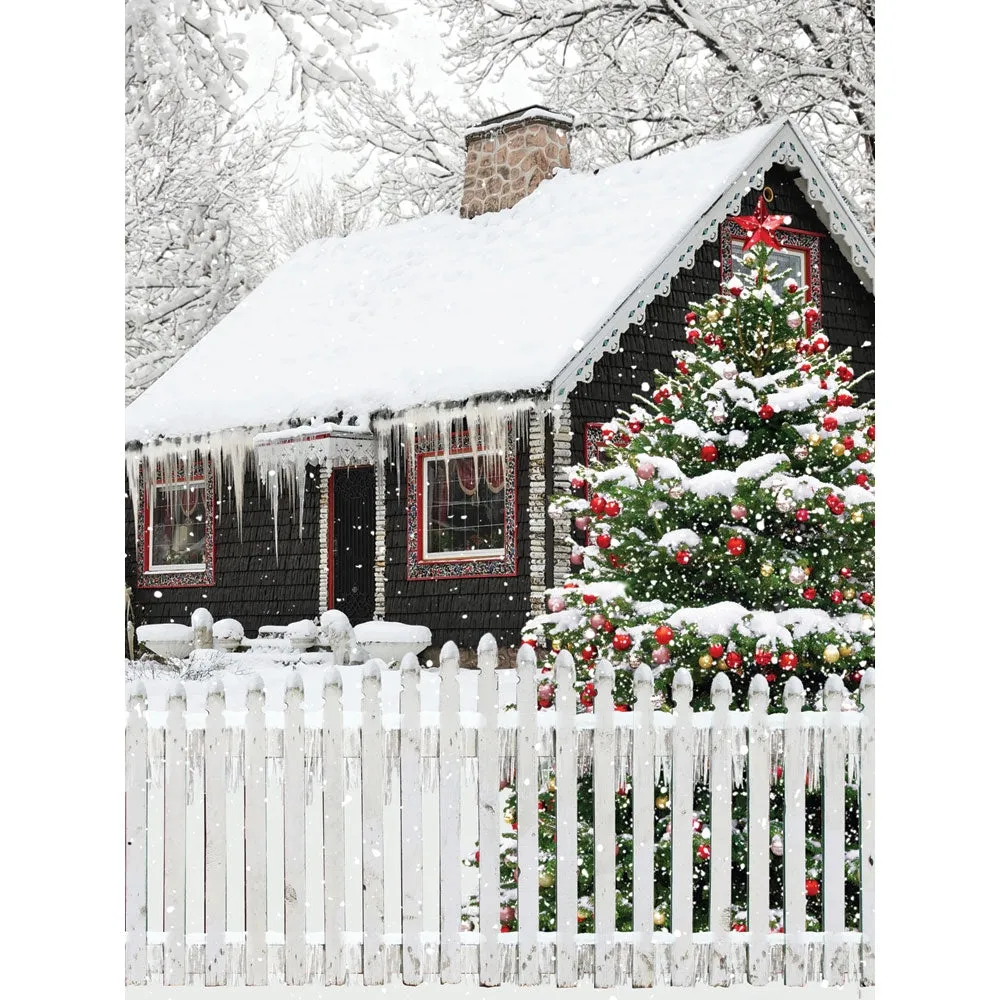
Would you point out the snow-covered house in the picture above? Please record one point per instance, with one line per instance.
(378, 425)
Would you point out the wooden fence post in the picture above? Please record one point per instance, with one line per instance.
(643, 831)
(604, 827)
(174, 839)
(759, 808)
(136, 792)
(296, 954)
(372, 825)
(488, 749)
(567, 891)
(682, 956)
(334, 841)
(795, 834)
(834, 763)
(216, 972)
(255, 818)
(411, 819)
(867, 800)
(720, 893)
(450, 817)
(526, 784)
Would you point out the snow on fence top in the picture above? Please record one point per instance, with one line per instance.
(442, 308)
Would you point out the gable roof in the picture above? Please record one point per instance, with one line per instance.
(443, 308)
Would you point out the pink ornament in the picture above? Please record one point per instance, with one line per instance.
(576, 559)
(794, 320)
(556, 604)
(661, 655)
(645, 470)
(597, 622)
(582, 522)
(738, 511)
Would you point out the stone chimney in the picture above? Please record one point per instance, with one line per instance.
(507, 157)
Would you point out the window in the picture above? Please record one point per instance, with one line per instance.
(799, 254)
(179, 531)
(461, 511)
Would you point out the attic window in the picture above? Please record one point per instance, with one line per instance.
(178, 530)
(461, 511)
(799, 254)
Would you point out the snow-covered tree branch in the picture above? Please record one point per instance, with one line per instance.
(314, 211)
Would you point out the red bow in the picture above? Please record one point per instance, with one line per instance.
(760, 225)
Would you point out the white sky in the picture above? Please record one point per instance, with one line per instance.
(417, 38)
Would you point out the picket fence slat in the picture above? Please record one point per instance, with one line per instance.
(450, 817)
(643, 831)
(174, 839)
(682, 953)
(255, 834)
(294, 889)
(794, 773)
(567, 901)
(759, 809)
(136, 792)
(216, 965)
(722, 831)
(526, 783)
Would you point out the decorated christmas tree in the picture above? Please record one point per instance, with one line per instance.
(729, 527)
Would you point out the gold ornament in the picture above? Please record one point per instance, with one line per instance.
(509, 817)
(705, 661)
(867, 618)
(552, 784)
(814, 439)
(662, 802)
(712, 316)
(857, 517)
(766, 569)
(831, 654)
(808, 570)
(556, 645)
(837, 448)
(849, 594)
(790, 344)
(546, 880)
(659, 918)
(846, 650)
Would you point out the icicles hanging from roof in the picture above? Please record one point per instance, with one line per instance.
(487, 421)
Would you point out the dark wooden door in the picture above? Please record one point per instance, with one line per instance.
(352, 548)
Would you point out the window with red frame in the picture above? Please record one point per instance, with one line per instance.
(461, 511)
(799, 255)
(179, 531)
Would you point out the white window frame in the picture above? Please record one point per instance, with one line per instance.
(152, 569)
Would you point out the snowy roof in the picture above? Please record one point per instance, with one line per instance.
(443, 309)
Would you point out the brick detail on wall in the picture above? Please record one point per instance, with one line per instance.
(324, 539)
(379, 536)
(536, 508)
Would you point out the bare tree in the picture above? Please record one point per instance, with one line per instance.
(315, 210)
(197, 181)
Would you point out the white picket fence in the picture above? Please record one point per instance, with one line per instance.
(251, 858)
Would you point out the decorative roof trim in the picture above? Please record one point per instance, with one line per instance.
(786, 147)
(327, 445)
(532, 113)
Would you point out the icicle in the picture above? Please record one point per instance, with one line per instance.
(429, 774)
(508, 753)
(157, 753)
(812, 746)
(470, 772)
(702, 754)
(274, 768)
(314, 762)
(584, 751)
(623, 757)
(777, 741)
(741, 751)
(196, 763)
(853, 741)
(545, 770)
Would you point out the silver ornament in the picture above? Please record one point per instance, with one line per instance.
(777, 845)
(796, 575)
(784, 503)
(729, 372)
(676, 491)
(801, 452)
(718, 418)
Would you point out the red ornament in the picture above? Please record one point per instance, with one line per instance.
(802, 515)
(820, 344)
(844, 373)
(693, 336)
(830, 423)
(661, 394)
(766, 412)
(604, 541)
(763, 657)
(612, 508)
(635, 426)
(870, 432)
(622, 641)
(844, 399)
(607, 433)
(864, 456)
(791, 287)
(529, 642)
(866, 597)
(570, 585)
(663, 420)
(690, 317)
(812, 887)
(682, 365)
(608, 625)
(805, 367)
(577, 483)
(770, 678)
(761, 225)
(811, 314)
(736, 546)
(709, 453)
(704, 852)
(588, 693)
(663, 635)
(733, 659)
(848, 442)
(590, 598)
(809, 593)
(788, 661)
(623, 439)
(597, 503)
(588, 652)
(506, 914)
(716, 650)
(740, 928)
(845, 572)
(597, 622)
(836, 596)
(835, 504)
(683, 557)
